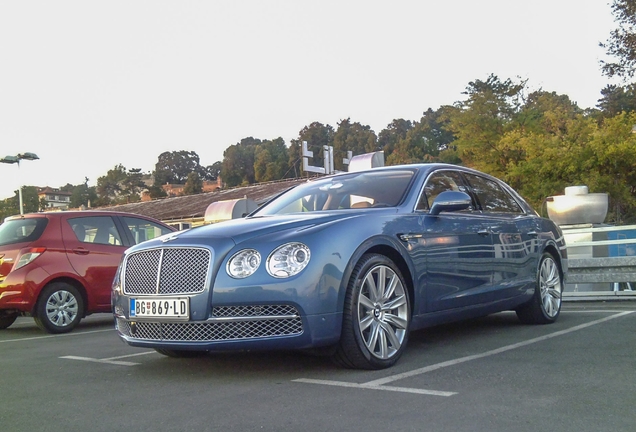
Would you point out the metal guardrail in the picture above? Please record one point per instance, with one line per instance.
(585, 266)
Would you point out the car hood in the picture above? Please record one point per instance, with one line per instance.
(240, 230)
(237, 231)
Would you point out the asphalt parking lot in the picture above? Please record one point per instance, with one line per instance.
(489, 374)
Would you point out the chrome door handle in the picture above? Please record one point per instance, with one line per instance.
(407, 237)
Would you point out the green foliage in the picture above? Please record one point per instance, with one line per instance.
(392, 134)
(211, 172)
(83, 195)
(317, 136)
(271, 161)
(238, 163)
(479, 122)
(174, 167)
(8, 207)
(30, 202)
(294, 153)
(156, 192)
(423, 141)
(621, 44)
(119, 186)
(354, 137)
(617, 99)
(193, 185)
(109, 187)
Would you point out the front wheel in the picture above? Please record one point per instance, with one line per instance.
(545, 305)
(376, 315)
(60, 308)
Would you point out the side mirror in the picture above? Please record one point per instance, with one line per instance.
(450, 201)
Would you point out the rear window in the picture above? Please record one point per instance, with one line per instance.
(21, 230)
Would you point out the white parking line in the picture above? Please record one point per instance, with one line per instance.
(379, 383)
(55, 336)
(111, 360)
(88, 359)
(374, 387)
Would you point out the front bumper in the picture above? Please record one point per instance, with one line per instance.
(249, 327)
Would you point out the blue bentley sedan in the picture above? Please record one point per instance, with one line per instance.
(347, 264)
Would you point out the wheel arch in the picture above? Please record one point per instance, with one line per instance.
(554, 251)
(390, 251)
(73, 282)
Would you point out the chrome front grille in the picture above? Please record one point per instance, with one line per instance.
(252, 310)
(228, 323)
(166, 271)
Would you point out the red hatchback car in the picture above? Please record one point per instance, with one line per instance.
(59, 267)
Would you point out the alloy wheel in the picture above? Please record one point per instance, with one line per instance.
(382, 312)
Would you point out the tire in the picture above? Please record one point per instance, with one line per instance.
(545, 305)
(180, 353)
(60, 308)
(375, 324)
(6, 319)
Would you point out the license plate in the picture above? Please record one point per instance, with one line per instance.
(157, 307)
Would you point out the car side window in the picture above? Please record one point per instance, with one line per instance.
(437, 183)
(96, 229)
(143, 230)
(492, 197)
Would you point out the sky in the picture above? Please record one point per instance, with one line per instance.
(88, 85)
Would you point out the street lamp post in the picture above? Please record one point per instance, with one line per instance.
(17, 159)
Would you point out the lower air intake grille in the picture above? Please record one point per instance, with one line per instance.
(239, 322)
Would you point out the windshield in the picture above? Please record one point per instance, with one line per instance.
(383, 188)
(21, 230)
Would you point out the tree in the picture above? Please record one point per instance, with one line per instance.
(174, 167)
(120, 186)
(271, 161)
(193, 185)
(82, 195)
(133, 184)
(621, 44)
(109, 186)
(8, 207)
(211, 172)
(353, 137)
(317, 136)
(479, 122)
(238, 162)
(30, 199)
(424, 141)
(156, 192)
(617, 99)
(392, 134)
(294, 161)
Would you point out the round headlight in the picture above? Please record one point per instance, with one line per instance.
(243, 263)
(288, 260)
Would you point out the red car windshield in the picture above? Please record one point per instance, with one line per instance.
(21, 230)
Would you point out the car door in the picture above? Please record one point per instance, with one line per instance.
(94, 247)
(514, 235)
(457, 245)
